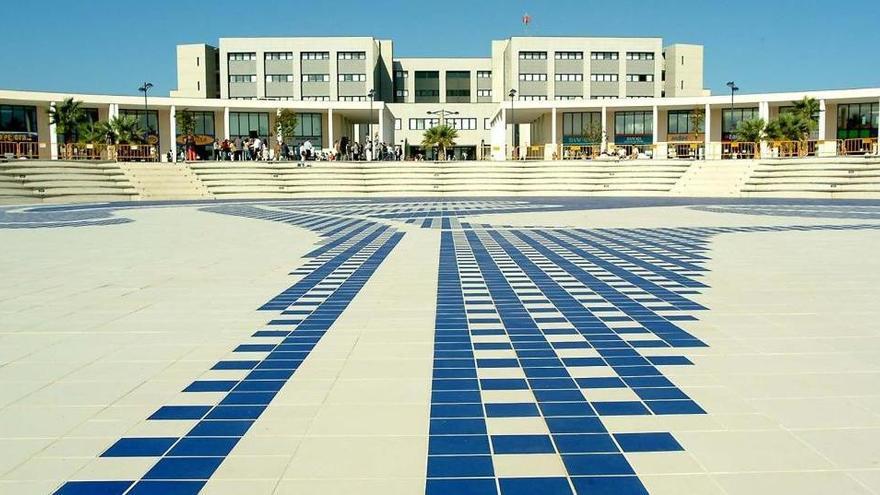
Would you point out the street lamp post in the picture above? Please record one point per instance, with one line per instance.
(733, 89)
(512, 95)
(442, 113)
(371, 95)
(145, 89)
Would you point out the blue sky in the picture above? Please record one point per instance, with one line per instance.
(104, 46)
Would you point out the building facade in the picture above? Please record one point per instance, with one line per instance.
(531, 92)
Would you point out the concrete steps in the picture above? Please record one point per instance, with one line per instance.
(716, 178)
(165, 181)
(815, 177)
(59, 181)
(230, 180)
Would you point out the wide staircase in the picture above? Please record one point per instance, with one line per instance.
(714, 178)
(28, 181)
(815, 177)
(164, 181)
(285, 179)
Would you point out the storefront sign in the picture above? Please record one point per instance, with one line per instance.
(634, 140)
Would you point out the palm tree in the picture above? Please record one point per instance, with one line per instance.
(752, 131)
(441, 136)
(808, 108)
(126, 129)
(67, 117)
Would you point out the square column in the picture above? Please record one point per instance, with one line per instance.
(499, 136)
(330, 135)
(53, 138)
(172, 126)
(655, 139)
(604, 146)
(707, 132)
(764, 113)
(226, 132)
(554, 140)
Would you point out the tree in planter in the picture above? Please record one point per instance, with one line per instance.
(697, 119)
(807, 110)
(752, 131)
(186, 127)
(126, 129)
(592, 135)
(441, 136)
(286, 121)
(68, 117)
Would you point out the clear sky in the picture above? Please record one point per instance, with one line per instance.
(106, 46)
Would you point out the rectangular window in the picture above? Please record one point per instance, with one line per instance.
(352, 98)
(279, 55)
(484, 74)
(315, 55)
(533, 77)
(148, 120)
(316, 78)
(422, 124)
(532, 97)
(575, 127)
(279, 78)
(640, 55)
(679, 123)
(857, 120)
(462, 124)
(634, 128)
(604, 55)
(352, 77)
(730, 119)
(240, 57)
(605, 97)
(315, 98)
(309, 127)
(243, 78)
(487, 125)
(604, 77)
(351, 55)
(569, 55)
(397, 124)
(569, 77)
(640, 78)
(248, 124)
(484, 92)
(401, 93)
(18, 123)
(568, 97)
(459, 93)
(533, 55)
(401, 74)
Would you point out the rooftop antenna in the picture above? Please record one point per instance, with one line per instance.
(526, 20)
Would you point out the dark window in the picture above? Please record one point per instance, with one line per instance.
(633, 128)
(730, 119)
(574, 124)
(18, 123)
(857, 120)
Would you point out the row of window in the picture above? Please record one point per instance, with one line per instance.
(352, 78)
(580, 55)
(305, 78)
(242, 56)
(481, 74)
(403, 93)
(593, 77)
(484, 92)
(462, 124)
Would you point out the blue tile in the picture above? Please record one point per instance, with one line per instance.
(585, 444)
(460, 466)
(667, 393)
(609, 485)
(675, 407)
(670, 360)
(458, 444)
(220, 429)
(503, 384)
(590, 424)
(596, 464)
(236, 412)
(460, 487)
(512, 410)
(94, 488)
(534, 486)
(620, 408)
(189, 468)
(203, 447)
(139, 447)
(647, 442)
(180, 412)
(601, 382)
(235, 365)
(148, 487)
(522, 444)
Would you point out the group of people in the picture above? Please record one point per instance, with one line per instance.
(372, 150)
(237, 149)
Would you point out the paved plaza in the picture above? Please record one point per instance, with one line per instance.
(504, 346)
